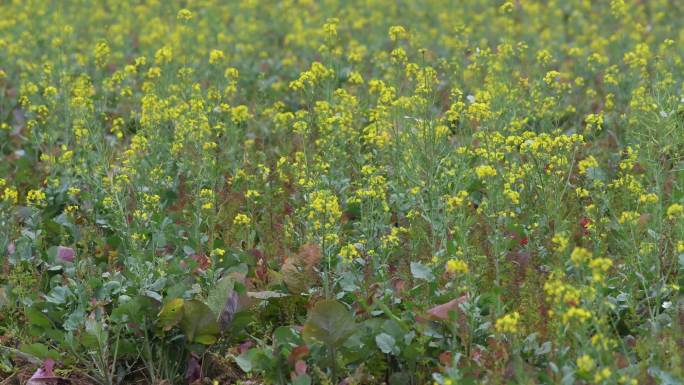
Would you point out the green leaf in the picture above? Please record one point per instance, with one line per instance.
(58, 295)
(199, 323)
(286, 336)
(126, 348)
(329, 322)
(223, 301)
(219, 294)
(97, 330)
(74, 320)
(303, 379)
(420, 271)
(136, 309)
(244, 361)
(206, 339)
(264, 295)
(88, 340)
(400, 378)
(665, 378)
(36, 318)
(255, 359)
(386, 343)
(171, 313)
(39, 350)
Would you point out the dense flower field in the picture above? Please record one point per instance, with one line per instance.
(342, 192)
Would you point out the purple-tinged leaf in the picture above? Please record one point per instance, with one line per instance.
(65, 254)
(229, 310)
(193, 371)
(45, 376)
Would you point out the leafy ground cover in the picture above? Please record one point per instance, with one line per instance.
(352, 192)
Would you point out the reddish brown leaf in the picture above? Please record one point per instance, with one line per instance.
(203, 261)
(445, 359)
(297, 354)
(310, 254)
(441, 312)
(299, 270)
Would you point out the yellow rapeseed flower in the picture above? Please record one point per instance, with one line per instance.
(485, 171)
(184, 14)
(35, 198)
(215, 56)
(580, 255)
(585, 364)
(349, 252)
(454, 266)
(508, 323)
(241, 220)
(675, 210)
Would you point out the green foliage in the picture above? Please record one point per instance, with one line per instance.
(326, 192)
(328, 322)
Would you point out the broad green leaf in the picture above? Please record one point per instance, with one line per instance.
(75, 320)
(39, 350)
(219, 295)
(206, 339)
(199, 323)
(58, 295)
(136, 309)
(329, 322)
(286, 336)
(420, 271)
(255, 359)
(386, 343)
(88, 340)
(244, 361)
(126, 348)
(97, 330)
(171, 313)
(223, 301)
(36, 318)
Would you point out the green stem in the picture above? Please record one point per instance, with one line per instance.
(333, 363)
